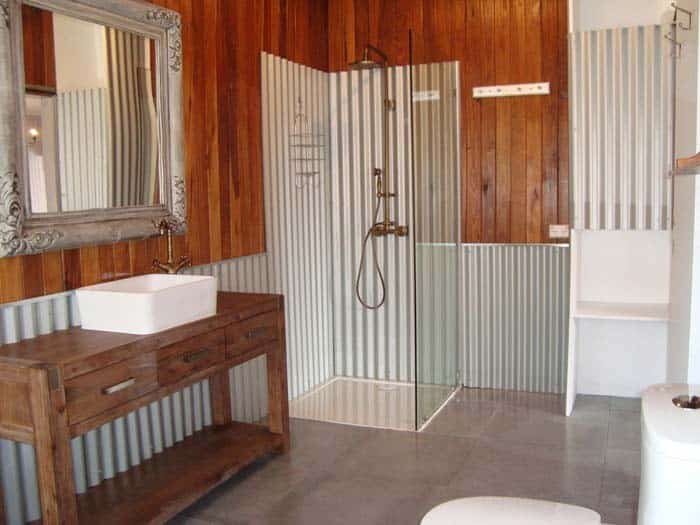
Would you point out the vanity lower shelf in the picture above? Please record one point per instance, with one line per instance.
(61, 385)
(159, 488)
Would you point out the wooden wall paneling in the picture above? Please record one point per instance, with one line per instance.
(563, 176)
(39, 52)
(518, 210)
(33, 275)
(52, 273)
(471, 112)
(487, 153)
(72, 275)
(514, 151)
(222, 41)
(213, 77)
(502, 67)
(533, 134)
(122, 260)
(550, 116)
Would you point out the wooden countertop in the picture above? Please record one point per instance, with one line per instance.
(79, 351)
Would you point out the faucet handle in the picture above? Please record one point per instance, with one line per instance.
(164, 226)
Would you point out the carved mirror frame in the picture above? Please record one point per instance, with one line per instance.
(24, 233)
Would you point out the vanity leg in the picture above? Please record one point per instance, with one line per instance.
(278, 402)
(221, 397)
(52, 444)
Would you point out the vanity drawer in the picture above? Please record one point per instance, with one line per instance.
(198, 353)
(91, 394)
(251, 333)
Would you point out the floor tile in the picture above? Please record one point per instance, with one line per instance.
(633, 404)
(624, 430)
(485, 442)
(615, 516)
(337, 499)
(531, 471)
(413, 457)
(542, 427)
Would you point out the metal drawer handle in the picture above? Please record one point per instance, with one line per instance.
(119, 386)
(193, 357)
(257, 332)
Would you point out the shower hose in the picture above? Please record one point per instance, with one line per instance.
(363, 262)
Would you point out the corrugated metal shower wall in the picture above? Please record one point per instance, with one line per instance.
(621, 114)
(515, 316)
(127, 441)
(297, 215)
(370, 344)
(85, 143)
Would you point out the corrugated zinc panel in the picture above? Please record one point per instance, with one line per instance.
(622, 128)
(297, 213)
(515, 316)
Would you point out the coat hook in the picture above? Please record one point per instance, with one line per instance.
(677, 46)
(677, 9)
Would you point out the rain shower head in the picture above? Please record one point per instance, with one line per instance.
(366, 62)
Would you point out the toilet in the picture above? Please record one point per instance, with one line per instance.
(508, 511)
(670, 456)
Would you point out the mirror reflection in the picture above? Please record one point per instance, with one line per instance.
(91, 128)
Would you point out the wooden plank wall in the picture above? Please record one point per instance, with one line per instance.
(515, 174)
(222, 41)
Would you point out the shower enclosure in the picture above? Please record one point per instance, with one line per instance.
(390, 176)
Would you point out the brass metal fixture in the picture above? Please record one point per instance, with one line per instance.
(687, 402)
(171, 267)
(383, 193)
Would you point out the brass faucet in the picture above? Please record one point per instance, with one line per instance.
(165, 228)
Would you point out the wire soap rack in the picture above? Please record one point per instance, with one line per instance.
(306, 149)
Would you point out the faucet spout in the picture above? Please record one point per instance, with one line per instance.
(170, 267)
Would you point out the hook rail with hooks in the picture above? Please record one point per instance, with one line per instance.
(678, 9)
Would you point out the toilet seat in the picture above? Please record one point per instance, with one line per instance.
(508, 511)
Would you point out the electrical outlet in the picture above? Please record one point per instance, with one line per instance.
(558, 231)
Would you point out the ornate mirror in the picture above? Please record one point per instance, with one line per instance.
(90, 123)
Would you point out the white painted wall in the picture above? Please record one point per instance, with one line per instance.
(585, 15)
(81, 54)
(684, 334)
(624, 266)
(619, 357)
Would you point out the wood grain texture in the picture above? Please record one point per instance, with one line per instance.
(39, 54)
(43, 403)
(515, 176)
(222, 41)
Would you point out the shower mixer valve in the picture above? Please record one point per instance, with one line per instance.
(380, 229)
(386, 227)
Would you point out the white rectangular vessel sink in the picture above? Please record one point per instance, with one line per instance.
(147, 304)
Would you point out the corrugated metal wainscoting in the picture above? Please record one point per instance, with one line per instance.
(297, 215)
(621, 124)
(127, 441)
(515, 308)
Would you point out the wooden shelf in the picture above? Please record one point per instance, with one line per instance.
(688, 165)
(159, 488)
(622, 311)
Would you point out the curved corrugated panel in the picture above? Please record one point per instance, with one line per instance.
(136, 437)
(297, 213)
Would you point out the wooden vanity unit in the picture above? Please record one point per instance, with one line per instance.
(61, 385)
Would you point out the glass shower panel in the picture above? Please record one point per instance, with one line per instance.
(436, 182)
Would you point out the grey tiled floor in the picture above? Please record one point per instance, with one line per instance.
(483, 443)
